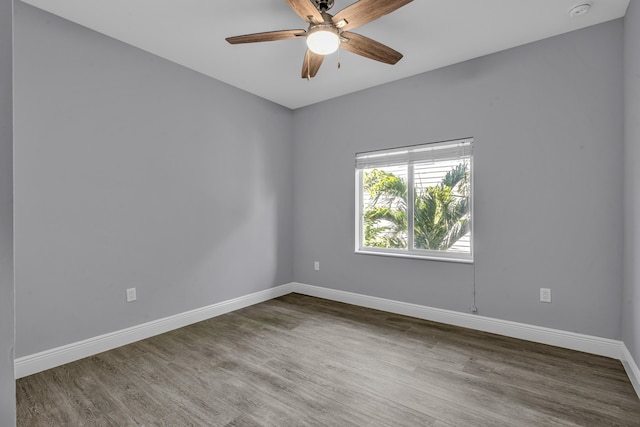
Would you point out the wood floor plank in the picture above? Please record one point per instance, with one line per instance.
(303, 361)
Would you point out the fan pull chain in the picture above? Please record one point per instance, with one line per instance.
(338, 58)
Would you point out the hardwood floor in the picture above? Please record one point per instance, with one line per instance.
(303, 361)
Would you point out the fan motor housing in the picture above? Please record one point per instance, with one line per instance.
(323, 5)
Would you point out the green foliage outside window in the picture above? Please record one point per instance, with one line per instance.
(441, 212)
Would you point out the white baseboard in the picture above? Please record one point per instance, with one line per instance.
(570, 340)
(564, 339)
(48, 359)
(632, 369)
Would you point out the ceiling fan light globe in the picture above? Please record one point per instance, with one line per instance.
(323, 42)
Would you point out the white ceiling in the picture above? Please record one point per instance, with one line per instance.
(430, 33)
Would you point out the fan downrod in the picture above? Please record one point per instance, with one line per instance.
(323, 5)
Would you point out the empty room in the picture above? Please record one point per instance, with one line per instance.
(319, 213)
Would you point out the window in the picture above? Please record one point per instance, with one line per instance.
(416, 201)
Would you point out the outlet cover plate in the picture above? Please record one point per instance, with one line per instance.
(545, 295)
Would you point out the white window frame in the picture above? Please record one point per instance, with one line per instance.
(407, 154)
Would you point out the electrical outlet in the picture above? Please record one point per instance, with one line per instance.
(131, 294)
(545, 295)
(316, 266)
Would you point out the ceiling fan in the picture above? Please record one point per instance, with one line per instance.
(327, 33)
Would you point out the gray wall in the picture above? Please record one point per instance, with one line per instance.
(7, 384)
(631, 301)
(547, 119)
(128, 174)
(131, 171)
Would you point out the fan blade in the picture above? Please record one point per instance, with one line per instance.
(266, 37)
(311, 64)
(306, 10)
(363, 11)
(368, 48)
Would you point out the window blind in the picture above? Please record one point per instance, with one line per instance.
(438, 151)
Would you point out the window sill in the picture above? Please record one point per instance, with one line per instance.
(414, 256)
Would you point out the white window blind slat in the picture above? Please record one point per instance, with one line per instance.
(449, 150)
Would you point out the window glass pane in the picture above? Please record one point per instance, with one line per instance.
(442, 210)
(384, 207)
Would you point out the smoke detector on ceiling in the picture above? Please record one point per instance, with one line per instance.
(580, 9)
